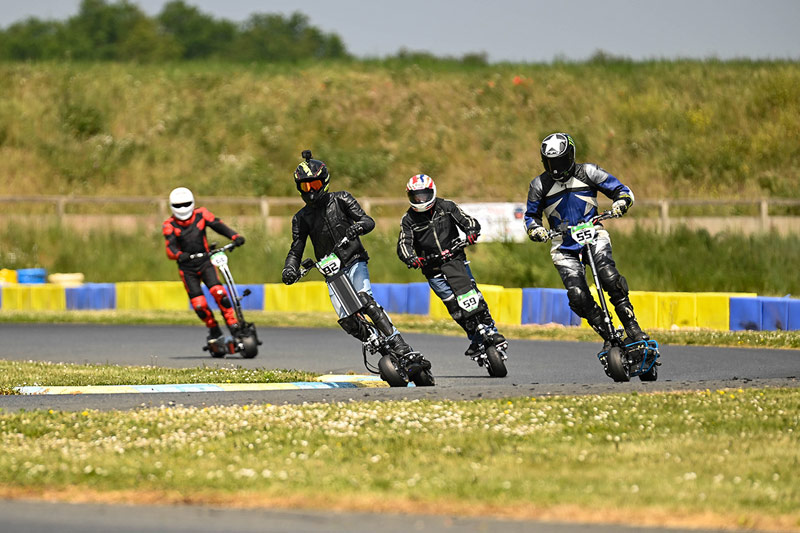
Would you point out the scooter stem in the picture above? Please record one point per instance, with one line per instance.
(600, 295)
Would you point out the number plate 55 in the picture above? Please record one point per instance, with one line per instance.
(584, 233)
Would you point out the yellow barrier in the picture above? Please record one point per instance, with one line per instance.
(304, 296)
(167, 295)
(504, 304)
(677, 309)
(8, 276)
(39, 297)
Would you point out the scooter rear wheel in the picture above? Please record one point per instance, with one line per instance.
(391, 373)
(496, 367)
(249, 347)
(617, 369)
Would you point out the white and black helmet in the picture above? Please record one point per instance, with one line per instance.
(181, 201)
(558, 155)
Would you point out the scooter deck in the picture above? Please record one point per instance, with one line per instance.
(645, 354)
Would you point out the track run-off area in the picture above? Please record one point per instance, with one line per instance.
(535, 368)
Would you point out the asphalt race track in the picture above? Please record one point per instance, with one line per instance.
(534, 367)
(537, 368)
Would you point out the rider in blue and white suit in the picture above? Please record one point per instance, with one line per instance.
(566, 194)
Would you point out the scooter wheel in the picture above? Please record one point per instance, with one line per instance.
(617, 368)
(496, 367)
(650, 375)
(424, 379)
(249, 347)
(391, 373)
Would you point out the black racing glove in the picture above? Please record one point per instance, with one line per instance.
(472, 237)
(354, 231)
(238, 240)
(183, 258)
(415, 262)
(290, 275)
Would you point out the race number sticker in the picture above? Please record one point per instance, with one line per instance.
(329, 265)
(219, 259)
(469, 301)
(583, 233)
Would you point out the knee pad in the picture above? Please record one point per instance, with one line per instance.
(200, 306)
(220, 295)
(376, 313)
(615, 285)
(580, 301)
(353, 326)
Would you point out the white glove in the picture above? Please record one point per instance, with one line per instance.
(619, 208)
(538, 234)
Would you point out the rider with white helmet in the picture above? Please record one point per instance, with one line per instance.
(185, 235)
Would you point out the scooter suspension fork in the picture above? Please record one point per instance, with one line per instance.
(600, 295)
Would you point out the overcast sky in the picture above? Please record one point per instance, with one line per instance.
(517, 30)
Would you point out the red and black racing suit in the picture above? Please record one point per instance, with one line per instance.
(187, 237)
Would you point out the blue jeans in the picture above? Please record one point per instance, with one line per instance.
(358, 274)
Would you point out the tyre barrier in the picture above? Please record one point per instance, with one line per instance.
(654, 310)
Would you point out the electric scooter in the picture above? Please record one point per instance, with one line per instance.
(245, 339)
(625, 358)
(391, 368)
(472, 304)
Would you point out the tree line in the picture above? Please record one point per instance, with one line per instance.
(121, 31)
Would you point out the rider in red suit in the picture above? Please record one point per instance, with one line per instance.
(185, 234)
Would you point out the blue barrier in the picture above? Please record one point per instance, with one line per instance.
(380, 291)
(419, 298)
(794, 315)
(745, 314)
(92, 296)
(253, 301)
(774, 314)
(31, 275)
(532, 306)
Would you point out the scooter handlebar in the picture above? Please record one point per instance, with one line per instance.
(227, 248)
(605, 215)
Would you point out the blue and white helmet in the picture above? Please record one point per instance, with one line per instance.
(421, 192)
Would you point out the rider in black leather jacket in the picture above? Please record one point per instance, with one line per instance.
(328, 217)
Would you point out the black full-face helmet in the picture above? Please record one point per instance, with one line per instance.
(558, 155)
(311, 178)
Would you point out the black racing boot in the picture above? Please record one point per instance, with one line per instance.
(398, 346)
(474, 349)
(628, 319)
(598, 323)
(214, 333)
(499, 341)
(234, 328)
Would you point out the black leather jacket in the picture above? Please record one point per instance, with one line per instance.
(433, 231)
(326, 223)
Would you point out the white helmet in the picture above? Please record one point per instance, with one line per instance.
(181, 201)
(421, 192)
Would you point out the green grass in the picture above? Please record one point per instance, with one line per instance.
(409, 323)
(45, 374)
(649, 261)
(725, 457)
(668, 129)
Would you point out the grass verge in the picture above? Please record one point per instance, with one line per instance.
(409, 323)
(725, 458)
(43, 374)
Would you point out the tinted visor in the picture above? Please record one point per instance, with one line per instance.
(421, 196)
(557, 165)
(313, 185)
(184, 204)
